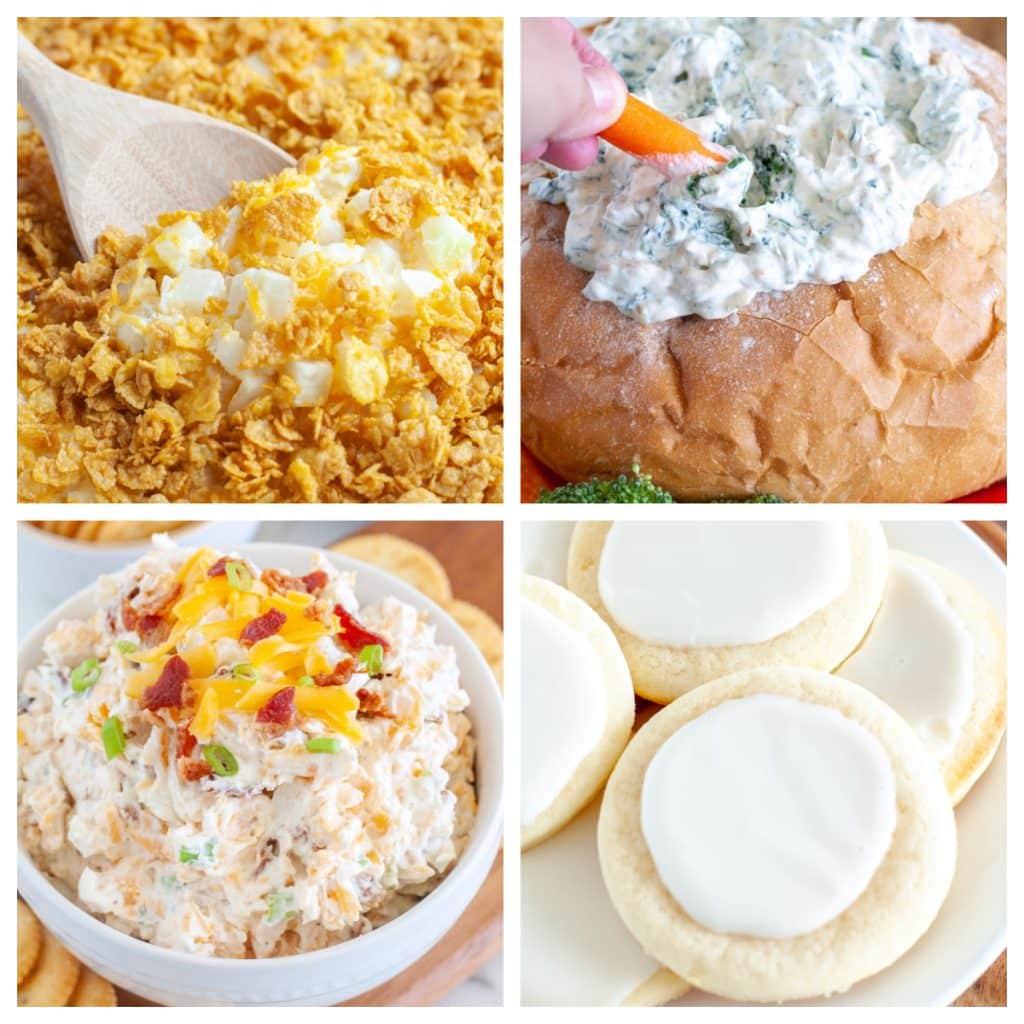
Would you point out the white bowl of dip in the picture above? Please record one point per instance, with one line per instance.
(61, 566)
(328, 975)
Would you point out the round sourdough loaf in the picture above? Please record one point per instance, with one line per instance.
(889, 388)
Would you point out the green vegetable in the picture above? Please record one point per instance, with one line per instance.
(220, 759)
(187, 856)
(371, 658)
(126, 646)
(244, 670)
(112, 735)
(324, 745)
(279, 906)
(306, 681)
(631, 490)
(867, 53)
(637, 489)
(757, 499)
(86, 675)
(734, 162)
(238, 576)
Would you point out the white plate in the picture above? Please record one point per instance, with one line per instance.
(970, 931)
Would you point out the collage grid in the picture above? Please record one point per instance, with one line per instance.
(459, 563)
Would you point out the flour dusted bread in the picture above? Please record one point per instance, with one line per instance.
(977, 739)
(889, 388)
(895, 907)
(610, 679)
(662, 672)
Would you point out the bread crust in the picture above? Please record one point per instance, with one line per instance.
(891, 388)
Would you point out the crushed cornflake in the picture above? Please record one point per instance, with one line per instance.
(331, 334)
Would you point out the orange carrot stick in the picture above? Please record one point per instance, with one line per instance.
(646, 132)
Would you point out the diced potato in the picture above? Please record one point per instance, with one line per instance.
(180, 245)
(314, 377)
(448, 246)
(359, 370)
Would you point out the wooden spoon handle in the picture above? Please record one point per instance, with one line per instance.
(37, 77)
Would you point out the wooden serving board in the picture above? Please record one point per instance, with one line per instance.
(471, 554)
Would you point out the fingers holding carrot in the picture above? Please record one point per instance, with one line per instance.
(569, 94)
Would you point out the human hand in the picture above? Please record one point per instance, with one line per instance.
(569, 94)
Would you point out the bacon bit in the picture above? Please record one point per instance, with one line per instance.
(153, 630)
(192, 771)
(219, 568)
(315, 581)
(262, 626)
(281, 583)
(166, 692)
(280, 709)
(353, 636)
(149, 621)
(186, 741)
(372, 704)
(339, 675)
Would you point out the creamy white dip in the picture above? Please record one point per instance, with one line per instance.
(841, 127)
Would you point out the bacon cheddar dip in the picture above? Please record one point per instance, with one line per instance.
(236, 762)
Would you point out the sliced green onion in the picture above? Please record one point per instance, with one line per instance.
(371, 658)
(220, 759)
(187, 856)
(244, 670)
(324, 745)
(126, 646)
(305, 681)
(113, 737)
(238, 576)
(86, 675)
(279, 906)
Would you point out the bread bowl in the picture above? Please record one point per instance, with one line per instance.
(890, 387)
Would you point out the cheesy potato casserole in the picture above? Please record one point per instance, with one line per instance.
(330, 334)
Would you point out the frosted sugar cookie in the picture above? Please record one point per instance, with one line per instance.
(575, 949)
(693, 601)
(936, 653)
(577, 706)
(776, 834)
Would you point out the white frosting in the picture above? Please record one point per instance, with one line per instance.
(545, 550)
(918, 657)
(575, 949)
(564, 706)
(721, 584)
(767, 816)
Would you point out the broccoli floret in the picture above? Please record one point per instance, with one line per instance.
(757, 499)
(634, 489)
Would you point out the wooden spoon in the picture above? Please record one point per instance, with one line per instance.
(122, 160)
